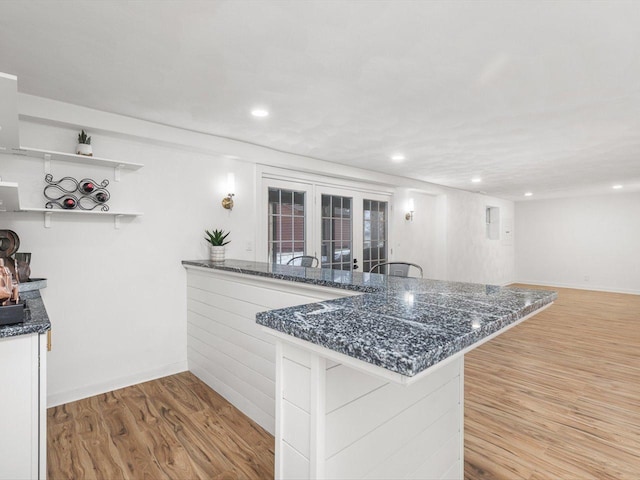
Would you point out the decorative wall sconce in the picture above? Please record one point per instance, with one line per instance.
(411, 208)
(227, 202)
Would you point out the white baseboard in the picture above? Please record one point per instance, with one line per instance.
(580, 287)
(59, 398)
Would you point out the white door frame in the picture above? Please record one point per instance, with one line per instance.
(357, 217)
(315, 185)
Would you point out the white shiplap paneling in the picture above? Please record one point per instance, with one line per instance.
(371, 428)
(227, 349)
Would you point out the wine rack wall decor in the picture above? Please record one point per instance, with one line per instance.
(69, 193)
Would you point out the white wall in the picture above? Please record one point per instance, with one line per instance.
(448, 236)
(417, 241)
(470, 254)
(585, 242)
(117, 298)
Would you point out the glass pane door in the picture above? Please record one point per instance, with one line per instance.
(337, 232)
(286, 225)
(374, 234)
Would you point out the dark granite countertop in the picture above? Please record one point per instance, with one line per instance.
(405, 325)
(37, 320)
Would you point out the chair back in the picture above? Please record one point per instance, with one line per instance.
(304, 261)
(396, 269)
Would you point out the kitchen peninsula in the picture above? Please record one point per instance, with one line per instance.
(357, 375)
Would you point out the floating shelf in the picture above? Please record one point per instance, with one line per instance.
(49, 212)
(10, 202)
(50, 155)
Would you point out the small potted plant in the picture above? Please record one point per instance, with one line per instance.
(84, 144)
(217, 240)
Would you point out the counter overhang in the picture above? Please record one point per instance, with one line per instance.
(405, 326)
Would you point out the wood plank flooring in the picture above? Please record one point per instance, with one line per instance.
(172, 428)
(557, 397)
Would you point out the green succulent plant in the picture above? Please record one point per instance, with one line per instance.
(217, 237)
(84, 138)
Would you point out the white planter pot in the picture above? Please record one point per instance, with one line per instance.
(216, 254)
(84, 149)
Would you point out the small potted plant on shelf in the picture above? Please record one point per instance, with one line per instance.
(217, 240)
(84, 144)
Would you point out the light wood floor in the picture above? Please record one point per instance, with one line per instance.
(557, 397)
(172, 428)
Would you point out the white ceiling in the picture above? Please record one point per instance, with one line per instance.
(530, 96)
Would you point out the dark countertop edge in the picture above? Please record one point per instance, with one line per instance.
(415, 365)
(33, 284)
(294, 276)
(39, 322)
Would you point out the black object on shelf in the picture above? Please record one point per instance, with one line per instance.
(13, 313)
(60, 193)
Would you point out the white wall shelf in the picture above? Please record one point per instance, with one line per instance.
(10, 202)
(49, 155)
(49, 212)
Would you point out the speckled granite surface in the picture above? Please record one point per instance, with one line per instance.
(37, 320)
(315, 276)
(33, 284)
(402, 324)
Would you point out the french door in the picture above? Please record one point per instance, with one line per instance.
(345, 229)
(375, 237)
(337, 241)
(289, 228)
(353, 228)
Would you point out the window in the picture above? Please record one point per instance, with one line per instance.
(374, 248)
(286, 224)
(337, 239)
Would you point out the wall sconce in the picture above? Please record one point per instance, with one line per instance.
(227, 202)
(411, 208)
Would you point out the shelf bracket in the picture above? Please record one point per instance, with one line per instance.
(47, 163)
(47, 219)
(117, 172)
(116, 221)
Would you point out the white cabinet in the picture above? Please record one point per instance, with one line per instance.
(23, 412)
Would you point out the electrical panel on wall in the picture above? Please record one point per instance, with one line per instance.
(9, 132)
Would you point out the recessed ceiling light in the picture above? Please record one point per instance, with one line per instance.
(528, 194)
(398, 157)
(260, 112)
(617, 187)
(476, 180)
